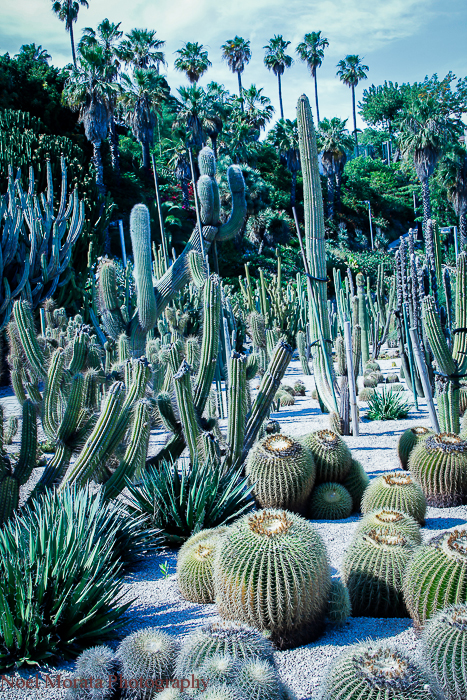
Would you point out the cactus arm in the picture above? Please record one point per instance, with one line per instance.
(140, 231)
(27, 334)
(28, 451)
(436, 338)
(210, 341)
(238, 213)
(52, 394)
(237, 405)
(186, 406)
(459, 350)
(166, 412)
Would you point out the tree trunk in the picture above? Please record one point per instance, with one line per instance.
(330, 182)
(293, 191)
(214, 145)
(72, 39)
(146, 158)
(337, 195)
(354, 118)
(240, 91)
(97, 160)
(316, 98)
(280, 95)
(185, 193)
(426, 202)
(462, 231)
(114, 149)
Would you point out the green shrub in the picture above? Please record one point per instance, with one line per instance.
(387, 405)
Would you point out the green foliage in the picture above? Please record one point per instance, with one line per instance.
(381, 105)
(386, 405)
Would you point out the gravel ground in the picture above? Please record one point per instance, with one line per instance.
(157, 601)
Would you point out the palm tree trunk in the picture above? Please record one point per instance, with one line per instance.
(97, 160)
(330, 182)
(145, 152)
(280, 95)
(354, 118)
(426, 202)
(240, 91)
(214, 145)
(316, 98)
(72, 39)
(293, 191)
(114, 149)
(337, 192)
(462, 231)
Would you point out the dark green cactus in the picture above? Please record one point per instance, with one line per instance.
(390, 522)
(149, 654)
(408, 441)
(140, 231)
(356, 483)
(332, 456)
(439, 465)
(195, 565)
(330, 501)
(339, 606)
(445, 647)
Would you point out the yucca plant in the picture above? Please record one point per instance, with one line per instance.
(182, 498)
(386, 405)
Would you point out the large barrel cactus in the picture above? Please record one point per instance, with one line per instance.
(391, 522)
(439, 465)
(272, 572)
(408, 440)
(445, 649)
(332, 456)
(195, 565)
(395, 491)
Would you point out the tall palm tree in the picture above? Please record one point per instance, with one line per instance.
(67, 11)
(192, 60)
(258, 109)
(284, 137)
(311, 52)
(277, 60)
(333, 142)
(453, 174)
(193, 111)
(217, 108)
(351, 70)
(34, 53)
(141, 49)
(426, 130)
(143, 95)
(89, 91)
(237, 53)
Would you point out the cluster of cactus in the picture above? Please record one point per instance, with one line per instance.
(439, 465)
(342, 373)
(395, 491)
(409, 439)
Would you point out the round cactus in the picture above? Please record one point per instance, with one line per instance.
(391, 522)
(392, 378)
(397, 388)
(314, 394)
(356, 483)
(220, 692)
(289, 389)
(365, 393)
(332, 456)
(149, 654)
(220, 669)
(439, 465)
(339, 606)
(281, 553)
(445, 648)
(370, 381)
(258, 680)
(299, 388)
(372, 366)
(395, 491)
(282, 471)
(437, 576)
(376, 671)
(97, 663)
(284, 398)
(408, 440)
(195, 565)
(330, 501)
(227, 638)
(373, 570)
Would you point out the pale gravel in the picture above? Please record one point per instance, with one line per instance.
(157, 601)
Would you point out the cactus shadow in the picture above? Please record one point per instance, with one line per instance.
(443, 523)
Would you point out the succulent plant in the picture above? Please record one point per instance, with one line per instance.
(445, 648)
(365, 393)
(299, 388)
(376, 671)
(149, 654)
(284, 398)
(195, 565)
(436, 576)
(392, 522)
(462, 400)
(100, 664)
(282, 471)
(290, 390)
(373, 570)
(339, 606)
(258, 680)
(276, 551)
(220, 669)
(332, 456)
(439, 465)
(371, 381)
(356, 483)
(408, 440)
(330, 501)
(220, 692)
(392, 378)
(372, 366)
(395, 491)
(314, 394)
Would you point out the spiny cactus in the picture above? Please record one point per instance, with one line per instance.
(370, 381)
(330, 501)
(332, 456)
(149, 654)
(408, 440)
(356, 483)
(445, 648)
(395, 491)
(392, 378)
(222, 692)
(364, 319)
(373, 569)
(439, 465)
(282, 471)
(220, 669)
(254, 550)
(100, 664)
(258, 680)
(195, 565)
(140, 231)
(365, 393)
(339, 606)
(391, 522)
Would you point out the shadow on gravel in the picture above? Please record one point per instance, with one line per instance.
(170, 618)
(363, 628)
(442, 523)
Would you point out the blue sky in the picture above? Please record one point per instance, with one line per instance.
(400, 40)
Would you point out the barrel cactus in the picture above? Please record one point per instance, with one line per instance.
(356, 483)
(258, 680)
(436, 576)
(376, 671)
(283, 472)
(439, 465)
(98, 663)
(392, 378)
(330, 501)
(373, 570)
(445, 648)
(221, 692)
(339, 606)
(195, 565)
(332, 456)
(395, 491)
(408, 440)
(279, 552)
(220, 669)
(365, 393)
(397, 388)
(372, 366)
(149, 654)
(371, 381)
(391, 522)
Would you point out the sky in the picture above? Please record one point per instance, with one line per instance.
(400, 40)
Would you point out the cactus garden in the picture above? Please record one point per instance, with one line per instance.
(233, 425)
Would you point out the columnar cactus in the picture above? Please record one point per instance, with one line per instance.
(363, 318)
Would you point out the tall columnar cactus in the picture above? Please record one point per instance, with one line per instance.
(363, 318)
(140, 231)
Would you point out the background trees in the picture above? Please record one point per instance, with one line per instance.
(237, 53)
(192, 60)
(351, 70)
(67, 11)
(311, 52)
(277, 60)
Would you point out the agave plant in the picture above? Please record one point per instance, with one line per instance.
(386, 405)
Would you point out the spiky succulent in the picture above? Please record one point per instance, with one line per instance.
(299, 388)
(258, 680)
(370, 381)
(339, 606)
(376, 671)
(332, 456)
(445, 648)
(330, 501)
(281, 553)
(436, 576)
(397, 387)
(365, 393)
(409, 439)
(220, 692)
(100, 664)
(391, 522)
(284, 398)
(195, 565)
(439, 465)
(282, 472)
(356, 482)
(395, 491)
(371, 366)
(220, 669)
(149, 654)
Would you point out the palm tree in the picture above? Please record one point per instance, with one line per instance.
(237, 53)
(217, 110)
(180, 164)
(193, 111)
(284, 137)
(426, 130)
(277, 60)
(311, 51)
(453, 174)
(67, 11)
(333, 142)
(34, 53)
(142, 98)
(351, 70)
(141, 49)
(258, 109)
(192, 60)
(89, 91)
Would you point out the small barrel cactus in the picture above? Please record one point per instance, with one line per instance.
(339, 606)
(376, 671)
(356, 483)
(372, 366)
(279, 552)
(195, 565)
(258, 680)
(332, 456)
(283, 471)
(392, 522)
(436, 576)
(299, 388)
(371, 381)
(284, 398)
(445, 648)
(373, 570)
(397, 388)
(395, 491)
(221, 692)
(408, 440)
(314, 394)
(220, 669)
(439, 465)
(148, 654)
(392, 378)
(365, 393)
(330, 501)
(100, 664)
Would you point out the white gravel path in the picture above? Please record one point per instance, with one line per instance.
(157, 601)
